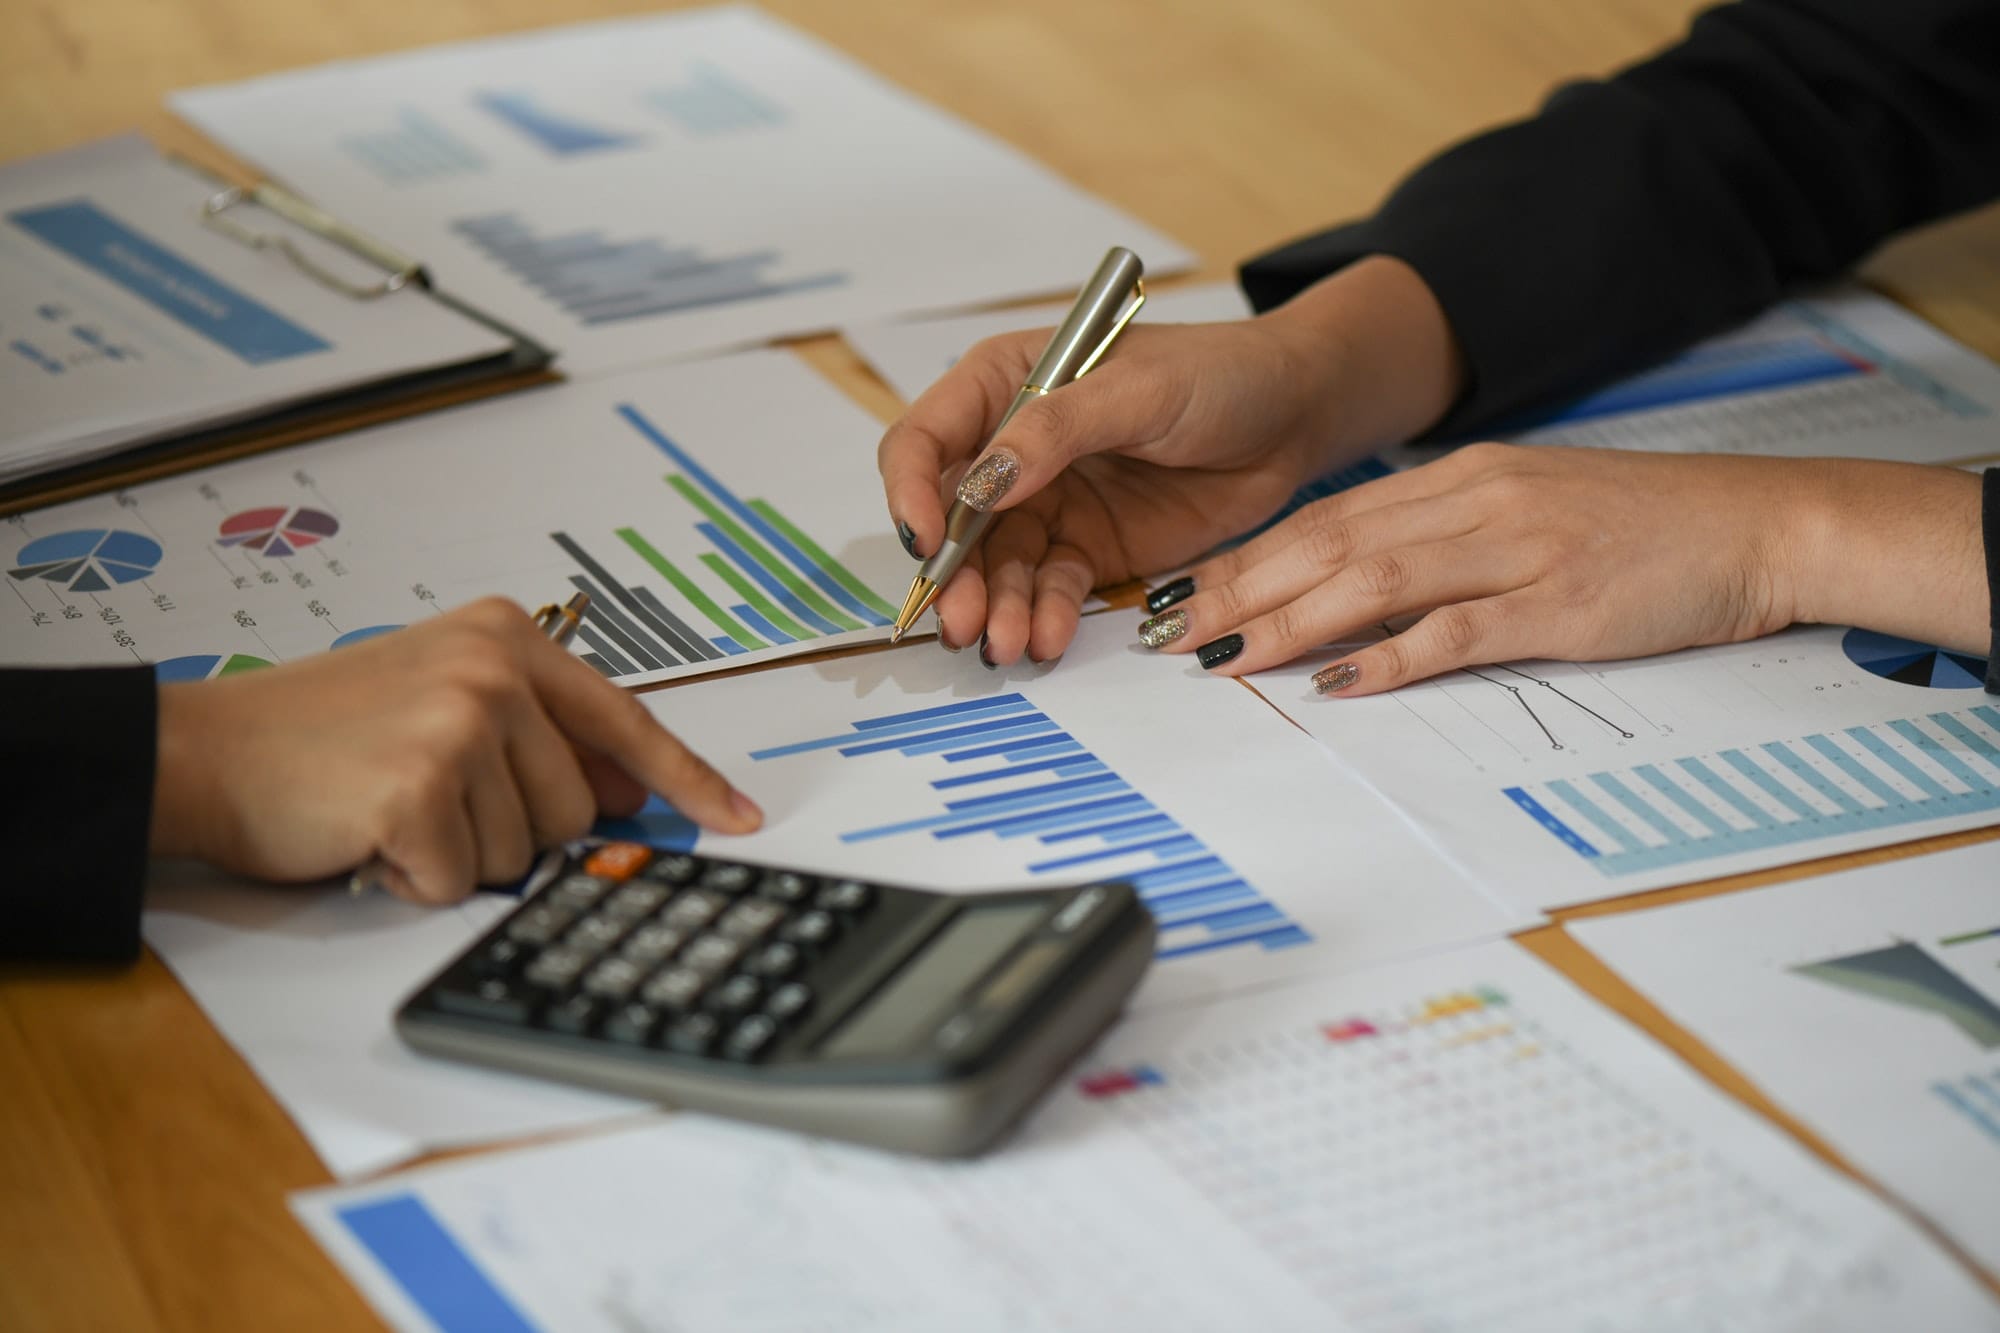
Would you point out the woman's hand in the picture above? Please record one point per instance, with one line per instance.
(1579, 554)
(1183, 436)
(453, 749)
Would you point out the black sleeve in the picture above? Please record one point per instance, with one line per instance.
(79, 747)
(1779, 142)
(1989, 526)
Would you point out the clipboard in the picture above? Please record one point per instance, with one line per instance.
(377, 271)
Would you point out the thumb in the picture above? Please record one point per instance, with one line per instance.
(1113, 407)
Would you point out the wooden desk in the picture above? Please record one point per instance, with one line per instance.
(142, 1167)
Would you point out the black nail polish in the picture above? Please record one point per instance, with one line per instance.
(1159, 599)
(984, 660)
(908, 536)
(1217, 651)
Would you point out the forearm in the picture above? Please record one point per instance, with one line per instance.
(1378, 354)
(1894, 547)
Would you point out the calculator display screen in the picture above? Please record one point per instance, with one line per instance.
(917, 997)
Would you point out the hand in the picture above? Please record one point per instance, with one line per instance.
(1184, 436)
(453, 750)
(1579, 554)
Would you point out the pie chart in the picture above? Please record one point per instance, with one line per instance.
(1913, 663)
(88, 559)
(277, 529)
(205, 666)
(354, 636)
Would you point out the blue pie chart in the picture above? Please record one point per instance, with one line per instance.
(1911, 663)
(88, 559)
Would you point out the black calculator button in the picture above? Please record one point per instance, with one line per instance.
(579, 893)
(635, 900)
(789, 1001)
(595, 934)
(785, 886)
(495, 998)
(675, 988)
(673, 868)
(540, 923)
(750, 1038)
(847, 897)
(738, 995)
(750, 920)
(692, 1034)
(728, 877)
(810, 930)
(614, 978)
(653, 943)
(693, 909)
(500, 958)
(776, 960)
(711, 954)
(557, 968)
(633, 1024)
(575, 1015)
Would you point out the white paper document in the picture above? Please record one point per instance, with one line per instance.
(1865, 1003)
(1259, 857)
(302, 982)
(1842, 374)
(649, 188)
(718, 513)
(1558, 783)
(909, 354)
(123, 319)
(1464, 1143)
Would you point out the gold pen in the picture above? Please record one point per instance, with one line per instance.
(1100, 313)
(559, 623)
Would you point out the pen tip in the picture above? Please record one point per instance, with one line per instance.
(896, 635)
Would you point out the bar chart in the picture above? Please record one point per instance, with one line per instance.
(709, 102)
(415, 148)
(767, 581)
(561, 134)
(1744, 798)
(1008, 770)
(599, 280)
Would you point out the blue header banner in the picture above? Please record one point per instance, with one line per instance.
(213, 309)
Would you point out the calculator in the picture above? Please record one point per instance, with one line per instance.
(882, 1014)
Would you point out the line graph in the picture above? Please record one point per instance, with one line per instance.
(1554, 691)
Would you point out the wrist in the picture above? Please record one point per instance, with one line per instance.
(186, 758)
(1892, 547)
(1381, 358)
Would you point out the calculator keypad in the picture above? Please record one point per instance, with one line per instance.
(694, 956)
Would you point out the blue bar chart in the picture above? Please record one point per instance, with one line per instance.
(600, 280)
(1004, 769)
(1698, 808)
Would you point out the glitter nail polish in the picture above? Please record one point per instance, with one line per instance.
(908, 536)
(1159, 599)
(1217, 651)
(988, 483)
(1162, 630)
(1336, 677)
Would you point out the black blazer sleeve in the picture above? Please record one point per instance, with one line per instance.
(1780, 142)
(79, 748)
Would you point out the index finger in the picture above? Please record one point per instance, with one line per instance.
(947, 425)
(603, 718)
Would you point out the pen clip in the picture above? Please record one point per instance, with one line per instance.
(1117, 326)
(401, 273)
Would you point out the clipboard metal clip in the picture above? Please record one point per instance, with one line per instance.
(400, 270)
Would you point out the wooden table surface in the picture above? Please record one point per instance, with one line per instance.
(143, 1169)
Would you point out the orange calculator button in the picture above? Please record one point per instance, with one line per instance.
(618, 860)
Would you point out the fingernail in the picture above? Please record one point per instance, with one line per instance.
(1217, 651)
(908, 536)
(745, 808)
(945, 643)
(989, 482)
(989, 663)
(1160, 599)
(1162, 630)
(1336, 677)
